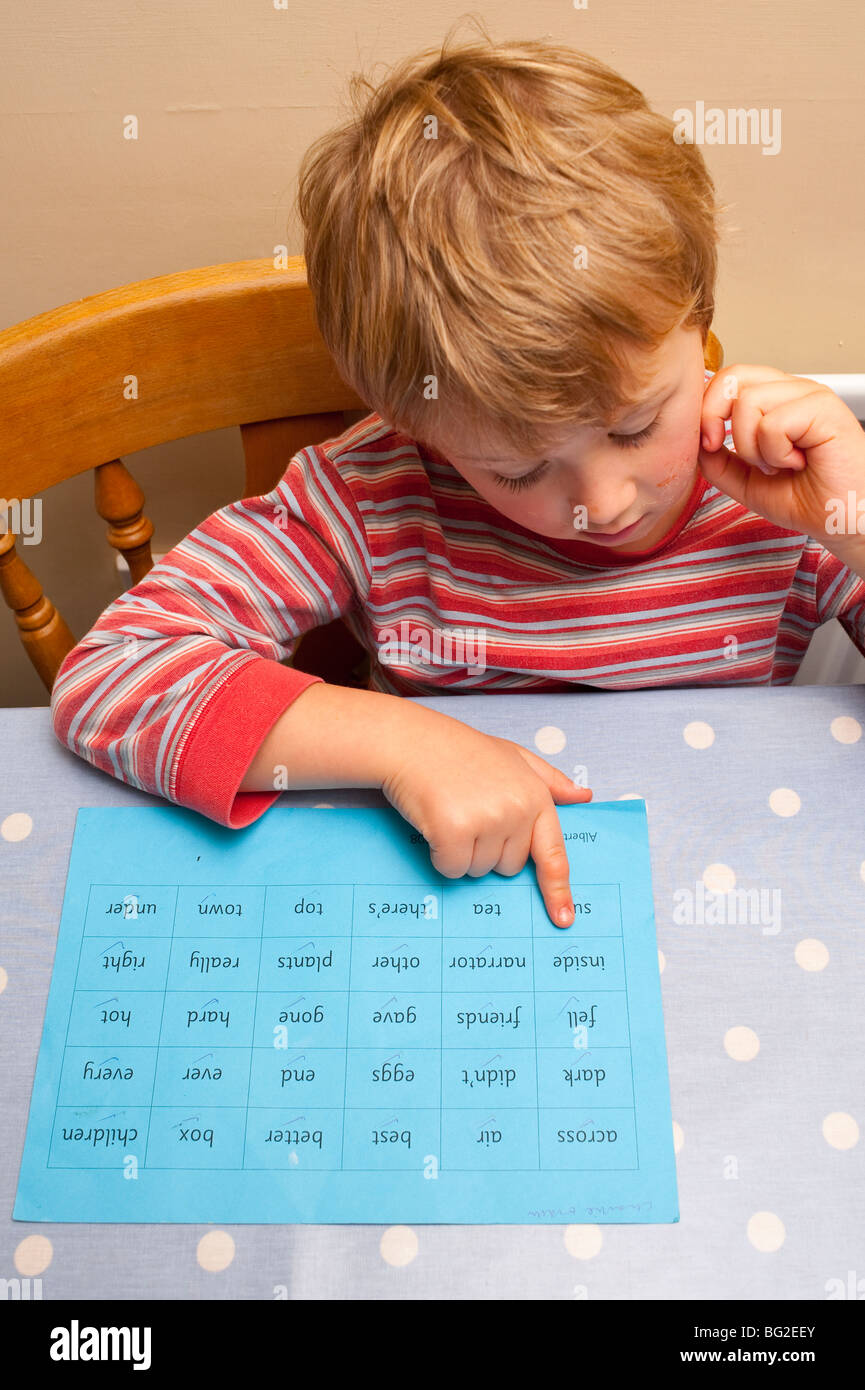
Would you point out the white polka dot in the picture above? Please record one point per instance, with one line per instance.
(630, 796)
(784, 802)
(215, 1251)
(583, 1242)
(742, 1044)
(662, 961)
(17, 826)
(766, 1231)
(33, 1255)
(846, 729)
(811, 954)
(4, 979)
(698, 735)
(678, 1137)
(550, 739)
(323, 806)
(398, 1246)
(719, 878)
(840, 1130)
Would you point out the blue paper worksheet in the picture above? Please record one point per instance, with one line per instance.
(303, 1021)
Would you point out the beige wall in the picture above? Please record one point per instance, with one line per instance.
(229, 95)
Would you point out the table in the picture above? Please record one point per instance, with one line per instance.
(757, 830)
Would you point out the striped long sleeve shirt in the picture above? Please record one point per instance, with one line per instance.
(176, 685)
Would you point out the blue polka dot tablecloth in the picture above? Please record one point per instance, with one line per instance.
(756, 808)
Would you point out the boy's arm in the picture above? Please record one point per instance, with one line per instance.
(333, 736)
(178, 683)
(840, 593)
(480, 802)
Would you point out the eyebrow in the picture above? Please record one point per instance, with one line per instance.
(657, 400)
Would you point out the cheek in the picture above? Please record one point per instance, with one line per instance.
(526, 506)
(678, 465)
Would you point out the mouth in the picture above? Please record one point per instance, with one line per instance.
(612, 537)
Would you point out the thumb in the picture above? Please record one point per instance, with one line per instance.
(561, 787)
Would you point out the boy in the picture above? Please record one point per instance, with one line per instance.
(513, 263)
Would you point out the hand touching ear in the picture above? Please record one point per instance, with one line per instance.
(799, 453)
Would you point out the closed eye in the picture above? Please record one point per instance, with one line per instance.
(524, 480)
(633, 441)
(623, 441)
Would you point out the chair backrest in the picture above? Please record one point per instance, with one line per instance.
(713, 353)
(151, 362)
(143, 364)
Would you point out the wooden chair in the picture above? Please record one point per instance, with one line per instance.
(150, 362)
(155, 361)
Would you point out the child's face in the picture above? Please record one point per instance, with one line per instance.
(617, 483)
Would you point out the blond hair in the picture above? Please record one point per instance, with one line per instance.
(442, 226)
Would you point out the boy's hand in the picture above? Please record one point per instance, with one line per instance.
(484, 803)
(809, 443)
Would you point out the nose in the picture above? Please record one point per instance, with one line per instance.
(603, 508)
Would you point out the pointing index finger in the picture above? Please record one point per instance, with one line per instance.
(553, 867)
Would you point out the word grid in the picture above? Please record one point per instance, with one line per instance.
(224, 1024)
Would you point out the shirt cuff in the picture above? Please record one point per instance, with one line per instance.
(227, 737)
